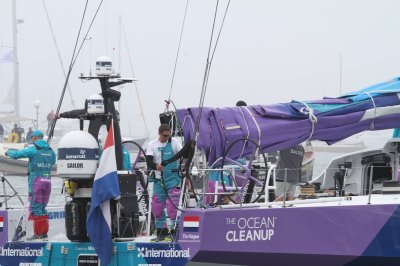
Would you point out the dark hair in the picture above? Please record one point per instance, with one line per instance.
(163, 127)
(241, 103)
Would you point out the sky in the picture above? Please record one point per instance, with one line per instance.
(268, 51)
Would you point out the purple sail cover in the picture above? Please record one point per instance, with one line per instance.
(279, 126)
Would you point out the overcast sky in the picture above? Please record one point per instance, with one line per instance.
(269, 51)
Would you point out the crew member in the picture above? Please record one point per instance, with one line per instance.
(290, 162)
(165, 181)
(50, 118)
(28, 138)
(41, 159)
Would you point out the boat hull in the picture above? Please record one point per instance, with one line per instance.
(344, 233)
(334, 235)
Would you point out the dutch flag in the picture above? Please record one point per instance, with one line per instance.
(1, 223)
(105, 187)
(191, 223)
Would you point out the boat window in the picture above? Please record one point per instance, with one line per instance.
(103, 64)
(382, 172)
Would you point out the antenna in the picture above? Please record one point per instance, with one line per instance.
(340, 73)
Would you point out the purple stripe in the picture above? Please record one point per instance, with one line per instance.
(336, 230)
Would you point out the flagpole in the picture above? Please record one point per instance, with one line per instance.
(15, 58)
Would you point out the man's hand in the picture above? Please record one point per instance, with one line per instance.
(160, 167)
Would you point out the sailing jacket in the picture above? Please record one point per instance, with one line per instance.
(41, 158)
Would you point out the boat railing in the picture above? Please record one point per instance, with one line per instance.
(271, 172)
(234, 184)
(7, 197)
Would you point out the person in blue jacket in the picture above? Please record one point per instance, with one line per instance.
(41, 159)
(127, 159)
(166, 180)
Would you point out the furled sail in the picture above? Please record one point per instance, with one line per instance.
(278, 126)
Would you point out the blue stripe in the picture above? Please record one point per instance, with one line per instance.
(99, 233)
(386, 242)
(78, 154)
(190, 229)
(105, 188)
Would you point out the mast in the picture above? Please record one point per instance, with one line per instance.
(15, 58)
(340, 73)
(119, 58)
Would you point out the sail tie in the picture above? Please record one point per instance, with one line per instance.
(307, 110)
(247, 127)
(372, 124)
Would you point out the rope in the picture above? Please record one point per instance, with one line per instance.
(256, 123)
(220, 29)
(177, 52)
(313, 119)
(135, 84)
(58, 51)
(208, 66)
(73, 60)
(248, 131)
(372, 125)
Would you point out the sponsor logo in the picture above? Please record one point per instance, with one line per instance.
(190, 237)
(81, 155)
(43, 165)
(191, 223)
(88, 260)
(91, 248)
(19, 252)
(251, 229)
(1, 223)
(74, 165)
(144, 252)
(245, 191)
(77, 154)
(143, 200)
(56, 215)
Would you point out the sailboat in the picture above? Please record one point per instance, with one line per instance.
(10, 117)
(347, 216)
(11, 114)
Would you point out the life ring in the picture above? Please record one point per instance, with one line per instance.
(13, 137)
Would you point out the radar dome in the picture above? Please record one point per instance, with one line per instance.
(104, 66)
(78, 155)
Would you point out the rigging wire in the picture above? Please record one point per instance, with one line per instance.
(220, 29)
(73, 60)
(58, 51)
(208, 66)
(135, 83)
(177, 53)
